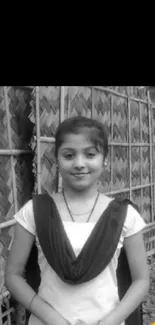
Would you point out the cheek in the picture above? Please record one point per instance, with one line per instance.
(97, 164)
(64, 165)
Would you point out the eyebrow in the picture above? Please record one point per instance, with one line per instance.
(70, 148)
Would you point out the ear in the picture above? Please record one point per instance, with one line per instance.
(105, 162)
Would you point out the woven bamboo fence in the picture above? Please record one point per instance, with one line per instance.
(15, 167)
(129, 117)
(130, 123)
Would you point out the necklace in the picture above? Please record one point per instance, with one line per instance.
(80, 214)
(91, 211)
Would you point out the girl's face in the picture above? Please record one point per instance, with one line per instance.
(80, 164)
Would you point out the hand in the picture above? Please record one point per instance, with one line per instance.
(108, 320)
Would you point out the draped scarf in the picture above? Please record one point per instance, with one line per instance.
(97, 251)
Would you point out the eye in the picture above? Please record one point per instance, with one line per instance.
(91, 154)
(68, 156)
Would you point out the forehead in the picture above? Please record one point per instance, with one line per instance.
(76, 141)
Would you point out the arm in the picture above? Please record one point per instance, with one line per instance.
(134, 247)
(20, 250)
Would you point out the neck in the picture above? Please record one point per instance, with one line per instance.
(83, 195)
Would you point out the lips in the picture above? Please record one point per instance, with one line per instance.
(80, 174)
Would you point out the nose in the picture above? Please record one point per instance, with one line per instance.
(79, 162)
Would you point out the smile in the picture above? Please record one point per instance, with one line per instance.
(80, 174)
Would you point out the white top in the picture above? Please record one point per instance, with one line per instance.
(88, 302)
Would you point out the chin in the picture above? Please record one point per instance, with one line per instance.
(81, 187)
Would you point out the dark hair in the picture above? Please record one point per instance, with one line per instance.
(75, 125)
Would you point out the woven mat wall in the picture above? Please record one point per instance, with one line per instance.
(113, 111)
(15, 189)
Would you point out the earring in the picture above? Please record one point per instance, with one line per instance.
(105, 163)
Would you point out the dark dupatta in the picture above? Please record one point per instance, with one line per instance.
(96, 253)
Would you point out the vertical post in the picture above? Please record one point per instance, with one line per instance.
(9, 312)
(38, 142)
(130, 165)
(93, 104)
(111, 167)
(69, 102)
(10, 147)
(151, 157)
(62, 101)
(141, 157)
(1, 302)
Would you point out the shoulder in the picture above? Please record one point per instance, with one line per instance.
(58, 200)
(104, 199)
(25, 217)
(57, 197)
(133, 222)
(27, 209)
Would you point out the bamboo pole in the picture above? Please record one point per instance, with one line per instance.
(93, 104)
(149, 225)
(133, 144)
(4, 298)
(109, 90)
(45, 139)
(38, 142)
(141, 158)
(112, 146)
(4, 295)
(124, 190)
(134, 99)
(14, 152)
(151, 157)
(8, 312)
(69, 103)
(62, 100)
(150, 231)
(130, 162)
(111, 143)
(8, 223)
(114, 92)
(10, 147)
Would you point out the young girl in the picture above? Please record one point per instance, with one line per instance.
(79, 234)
